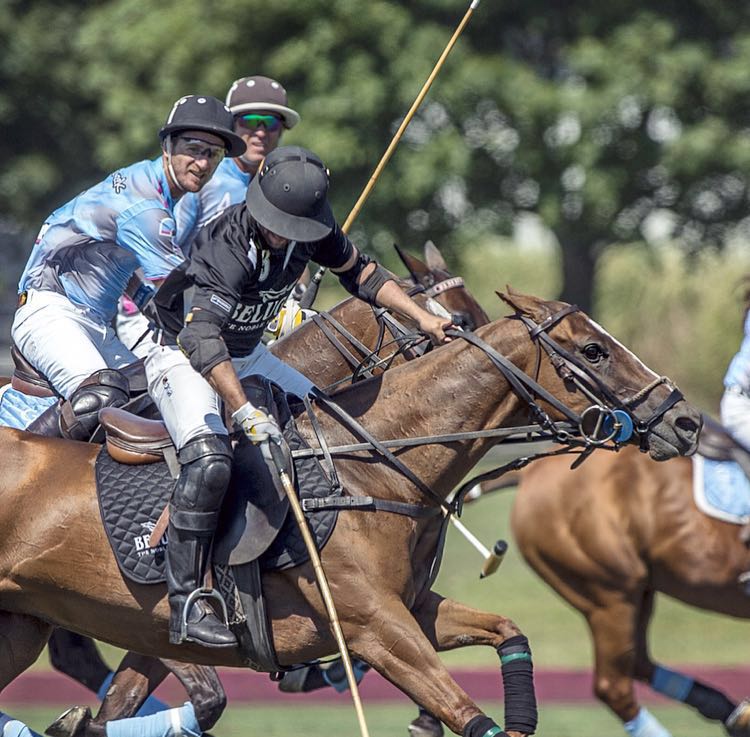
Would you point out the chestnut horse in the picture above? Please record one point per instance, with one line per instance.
(328, 350)
(56, 567)
(607, 537)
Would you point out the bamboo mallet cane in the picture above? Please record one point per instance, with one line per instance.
(312, 288)
(325, 591)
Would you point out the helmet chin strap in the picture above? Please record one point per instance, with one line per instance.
(170, 168)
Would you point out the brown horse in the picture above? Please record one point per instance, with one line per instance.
(56, 567)
(327, 350)
(611, 534)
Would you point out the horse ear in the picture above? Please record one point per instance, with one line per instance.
(523, 303)
(417, 269)
(434, 258)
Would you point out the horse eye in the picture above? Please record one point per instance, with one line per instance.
(593, 352)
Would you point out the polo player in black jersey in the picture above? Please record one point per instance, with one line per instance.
(243, 267)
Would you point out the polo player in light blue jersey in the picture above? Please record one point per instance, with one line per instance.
(261, 113)
(89, 250)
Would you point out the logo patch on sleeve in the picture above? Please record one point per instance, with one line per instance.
(119, 182)
(220, 303)
(167, 227)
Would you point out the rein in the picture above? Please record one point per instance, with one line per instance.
(610, 425)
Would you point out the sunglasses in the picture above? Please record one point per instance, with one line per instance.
(197, 149)
(271, 123)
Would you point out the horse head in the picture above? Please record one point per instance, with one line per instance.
(438, 282)
(598, 371)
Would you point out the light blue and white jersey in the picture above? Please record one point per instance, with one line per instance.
(89, 248)
(226, 187)
(738, 373)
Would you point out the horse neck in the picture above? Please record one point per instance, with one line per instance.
(453, 389)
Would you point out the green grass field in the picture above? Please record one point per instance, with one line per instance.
(391, 721)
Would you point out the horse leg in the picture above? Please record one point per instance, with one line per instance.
(617, 649)
(204, 690)
(78, 657)
(22, 639)
(708, 701)
(136, 677)
(449, 624)
(398, 648)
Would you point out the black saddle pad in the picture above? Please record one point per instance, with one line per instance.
(131, 499)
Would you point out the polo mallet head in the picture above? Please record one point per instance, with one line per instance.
(494, 559)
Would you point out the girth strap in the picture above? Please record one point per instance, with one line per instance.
(368, 503)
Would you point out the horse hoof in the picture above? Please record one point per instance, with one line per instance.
(425, 725)
(738, 723)
(71, 723)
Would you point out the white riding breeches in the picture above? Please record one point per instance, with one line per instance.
(64, 342)
(187, 403)
(133, 329)
(735, 416)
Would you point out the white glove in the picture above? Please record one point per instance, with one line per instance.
(257, 425)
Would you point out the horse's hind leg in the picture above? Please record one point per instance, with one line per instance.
(449, 625)
(708, 701)
(398, 649)
(135, 679)
(22, 639)
(78, 657)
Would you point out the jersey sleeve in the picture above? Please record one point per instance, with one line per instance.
(334, 250)
(149, 234)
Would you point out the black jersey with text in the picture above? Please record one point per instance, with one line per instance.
(245, 284)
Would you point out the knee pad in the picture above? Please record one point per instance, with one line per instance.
(204, 477)
(79, 415)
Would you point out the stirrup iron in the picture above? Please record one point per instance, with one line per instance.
(201, 593)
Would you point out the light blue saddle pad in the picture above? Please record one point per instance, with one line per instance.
(721, 489)
(20, 410)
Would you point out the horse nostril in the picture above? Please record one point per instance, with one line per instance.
(687, 424)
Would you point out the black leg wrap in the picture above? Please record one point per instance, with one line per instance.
(482, 726)
(711, 703)
(518, 684)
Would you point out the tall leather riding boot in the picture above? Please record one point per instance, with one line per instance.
(186, 556)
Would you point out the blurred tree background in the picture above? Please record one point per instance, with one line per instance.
(599, 153)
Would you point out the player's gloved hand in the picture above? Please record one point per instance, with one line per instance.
(257, 425)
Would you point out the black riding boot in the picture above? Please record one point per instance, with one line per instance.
(193, 513)
(186, 555)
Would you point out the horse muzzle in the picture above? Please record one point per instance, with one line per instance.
(676, 433)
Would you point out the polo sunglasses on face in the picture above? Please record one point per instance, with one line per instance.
(271, 123)
(198, 149)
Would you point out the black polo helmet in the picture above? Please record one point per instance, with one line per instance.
(289, 195)
(204, 113)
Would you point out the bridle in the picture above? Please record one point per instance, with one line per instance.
(601, 422)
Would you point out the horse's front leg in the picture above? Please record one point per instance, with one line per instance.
(449, 625)
(393, 643)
